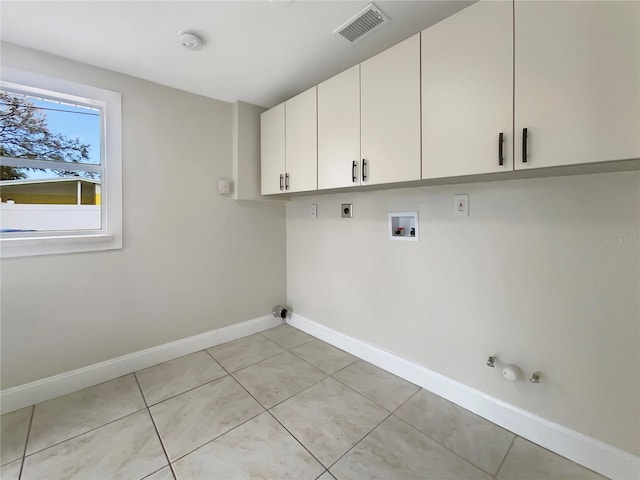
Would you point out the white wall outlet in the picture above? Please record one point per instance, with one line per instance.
(314, 210)
(224, 186)
(461, 205)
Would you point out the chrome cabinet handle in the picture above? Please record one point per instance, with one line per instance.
(286, 181)
(354, 164)
(364, 170)
(281, 182)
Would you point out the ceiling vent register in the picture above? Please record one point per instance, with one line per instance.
(363, 23)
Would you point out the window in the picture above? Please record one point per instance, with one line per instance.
(61, 165)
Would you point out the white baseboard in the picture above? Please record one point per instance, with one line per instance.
(47, 388)
(594, 454)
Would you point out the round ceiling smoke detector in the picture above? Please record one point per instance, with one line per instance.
(190, 41)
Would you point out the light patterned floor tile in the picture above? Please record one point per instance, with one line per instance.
(11, 471)
(377, 385)
(258, 449)
(326, 476)
(278, 378)
(474, 438)
(162, 474)
(244, 352)
(329, 418)
(61, 418)
(528, 461)
(171, 378)
(14, 427)
(127, 448)
(395, 450)
(287, 336)
(192, 419)
(323, 356)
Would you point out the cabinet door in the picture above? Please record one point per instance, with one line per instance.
(301, 134)
(390, 114)
(339, 130)
(467, 92)
(577, 82)
(272, 149)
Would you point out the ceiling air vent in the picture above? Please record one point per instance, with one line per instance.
(362, 24)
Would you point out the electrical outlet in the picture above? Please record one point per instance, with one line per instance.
(461, 205)
(314, 210)
(346, 210)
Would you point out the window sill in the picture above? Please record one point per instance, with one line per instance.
(56, 244)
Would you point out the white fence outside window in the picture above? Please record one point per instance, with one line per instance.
(49, 217)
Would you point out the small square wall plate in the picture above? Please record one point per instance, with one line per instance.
(346, 210)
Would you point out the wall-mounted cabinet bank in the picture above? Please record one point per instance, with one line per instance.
(441, 103)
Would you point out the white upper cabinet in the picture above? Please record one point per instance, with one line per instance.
(288, 145)
(390, 114)
(467, 92)
(577, 82)
(339, 130)
(301, 158)
(272, 150)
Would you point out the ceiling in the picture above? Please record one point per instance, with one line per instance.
(260, 52)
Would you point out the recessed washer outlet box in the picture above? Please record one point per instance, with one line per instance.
(346, 210)
(403, 226)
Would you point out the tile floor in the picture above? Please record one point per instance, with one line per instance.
(275, 405)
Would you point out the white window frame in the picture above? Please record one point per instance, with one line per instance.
(109, 237)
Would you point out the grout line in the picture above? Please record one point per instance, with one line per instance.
(216, 438)
(295, 346)
(155, 427)
(444, 446)
(161, 468)
(26, 442)
(281, 401)
(181, 393)
(231, 372)
(144, 399)
(392, 412)
(505, 456)
(409, 398)
(303, 390)
(355, 359)
(222, 434)
(373, 401)
(367, 398)
(186, 391)
(395, 410)
(88, 431)
(278, 421)
(297, 440)
(371, 431)
(361, 439)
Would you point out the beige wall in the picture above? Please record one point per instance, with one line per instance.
(192, 260)
(530, 276)
(246, 153)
